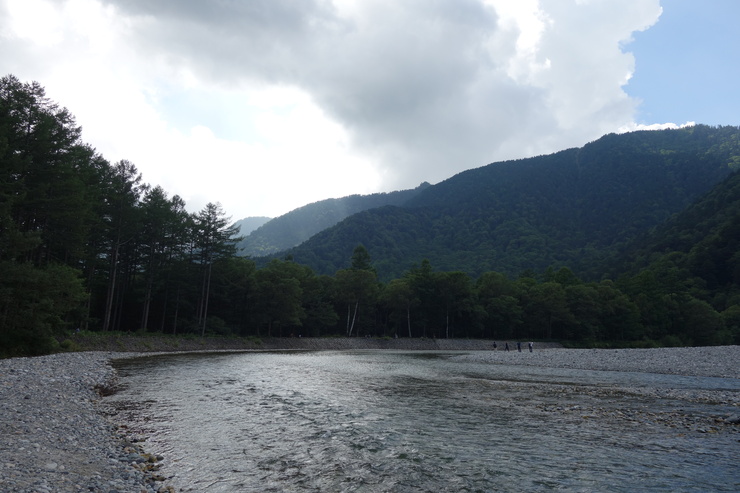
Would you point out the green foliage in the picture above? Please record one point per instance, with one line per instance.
(33, 304)
(356, 289)
(278, 298)
(397, 300)
(69, 346)
(731, 319)
(361, 259)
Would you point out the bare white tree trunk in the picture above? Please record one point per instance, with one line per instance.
(354, 317)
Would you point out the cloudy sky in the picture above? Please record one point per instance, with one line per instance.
(267, 105)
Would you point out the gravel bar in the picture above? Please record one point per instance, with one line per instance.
(714, 361)
(56, 437)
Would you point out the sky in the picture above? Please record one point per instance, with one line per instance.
(268, 105)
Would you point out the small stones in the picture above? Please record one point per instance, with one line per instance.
(717, 361)
(56, 438)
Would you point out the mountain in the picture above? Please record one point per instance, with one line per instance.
(700, 244)
(684, 275)
(248, 224)
(576, 208)
(300, 224)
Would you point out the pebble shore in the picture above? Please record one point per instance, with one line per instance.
(55, 436)
(701, 411)
(714, 361)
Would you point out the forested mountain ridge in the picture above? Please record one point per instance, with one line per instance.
(298, 225)
(574, 208)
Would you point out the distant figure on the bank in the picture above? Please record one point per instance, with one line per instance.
(519, 346)
(494, 345)
(506, 346)
(530, 347)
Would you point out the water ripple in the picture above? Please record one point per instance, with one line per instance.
(394, 422)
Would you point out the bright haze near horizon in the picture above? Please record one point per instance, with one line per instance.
(268, 105)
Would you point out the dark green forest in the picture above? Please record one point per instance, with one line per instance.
(578, 208)
(86, 245)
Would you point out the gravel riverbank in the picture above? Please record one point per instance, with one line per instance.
(716, 361)
(703, 411)
(55, 435)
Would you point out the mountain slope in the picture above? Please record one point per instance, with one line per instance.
(573, 208)
(249, 224)
(298, 225)
(701, 241)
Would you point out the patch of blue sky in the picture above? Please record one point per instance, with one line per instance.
(687, 65)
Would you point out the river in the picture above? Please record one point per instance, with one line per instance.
(383, 421)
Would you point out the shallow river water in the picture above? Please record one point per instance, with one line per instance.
(415, 422)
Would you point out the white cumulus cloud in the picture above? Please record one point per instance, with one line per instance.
(267, 105)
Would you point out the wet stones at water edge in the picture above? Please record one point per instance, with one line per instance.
(55, 439)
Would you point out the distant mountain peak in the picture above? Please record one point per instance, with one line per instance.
(249, 224)
(295, 227)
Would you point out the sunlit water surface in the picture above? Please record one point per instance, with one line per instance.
(414, 422)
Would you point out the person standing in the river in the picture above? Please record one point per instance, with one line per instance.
(530, 347)
(506, 346)
(519, 346)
